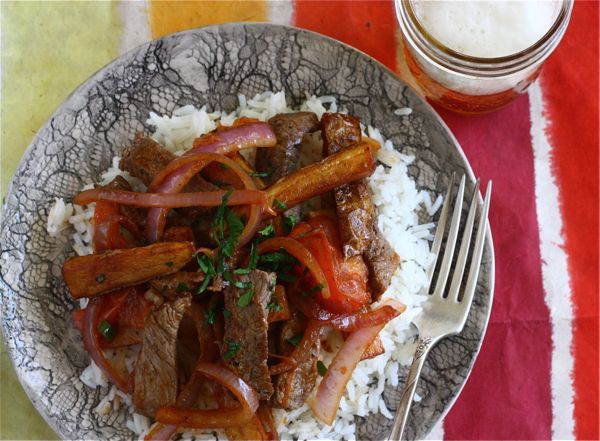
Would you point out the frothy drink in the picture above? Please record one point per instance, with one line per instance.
(487, 28)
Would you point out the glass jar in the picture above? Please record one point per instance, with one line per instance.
(468, 84)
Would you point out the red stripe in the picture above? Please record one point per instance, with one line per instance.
(508, 393)
(570, 88)
(367, 25)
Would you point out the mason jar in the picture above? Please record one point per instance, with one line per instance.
(472, 84)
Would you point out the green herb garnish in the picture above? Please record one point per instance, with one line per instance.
(290, 222)
(267, 231)
(226, 313)
(313, 290)
(279, 204)
(253, 261)
(274, 306)
(277, 257)
(181, 287)
(107, 331)
(321, 368)
(229, 277)
(259, 174)
(169, 264)
(295, 340)
(232, 348)
(242, 271)
(246, 298)
(100, 278)
(209, 317)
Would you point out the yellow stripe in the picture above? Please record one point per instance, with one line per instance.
(48, 49)
(167, 17)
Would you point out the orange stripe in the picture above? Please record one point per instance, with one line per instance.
(167, 17)
(570, 84)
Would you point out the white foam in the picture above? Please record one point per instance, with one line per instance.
(487, 28)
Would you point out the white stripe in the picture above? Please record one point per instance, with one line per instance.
(437, 433)
(281, 11)
(554, 270)
(135, 24)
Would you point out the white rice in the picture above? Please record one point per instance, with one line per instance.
(398, 201)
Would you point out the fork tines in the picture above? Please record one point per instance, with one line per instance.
(450, 258)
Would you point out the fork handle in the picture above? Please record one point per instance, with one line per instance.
(408, 393)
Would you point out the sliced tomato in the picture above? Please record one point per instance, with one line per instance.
(347, 279)
(136, 309)
(107, 234)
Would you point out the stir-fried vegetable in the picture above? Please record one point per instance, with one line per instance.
(88, 276)
(353, 163)
(331, 389)
(215, 418)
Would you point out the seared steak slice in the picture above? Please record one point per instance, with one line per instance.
(293, 387)
(284, 158)
(145, 158)
(176, 285)
(356, 213)
(245, 348)
(155, 377)
(382, 262)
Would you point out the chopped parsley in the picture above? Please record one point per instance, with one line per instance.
(229, 277)
(246, 298)
(290, 222)
(267, 231)
(226, 313)
(279, 204)
(207, 266)
(313, 290)
(107, 331)
(100, 278)
(210, 317)
(253, 261)
(260, 174)
(181, 287)
(242, 271)
(232, 348)
(274, 306)
(169, 264)
(321, 368)
(295, 339)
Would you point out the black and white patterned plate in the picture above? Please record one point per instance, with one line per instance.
(203, 66)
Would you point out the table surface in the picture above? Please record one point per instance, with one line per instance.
(537, 374)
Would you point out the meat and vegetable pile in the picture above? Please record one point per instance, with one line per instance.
(227, 291)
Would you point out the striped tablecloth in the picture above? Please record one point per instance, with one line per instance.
(537, 374)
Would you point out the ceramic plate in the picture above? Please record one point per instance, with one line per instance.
(203, 66)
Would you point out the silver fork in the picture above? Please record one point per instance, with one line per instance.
(446, 315)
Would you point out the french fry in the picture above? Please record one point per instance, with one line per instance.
(88, 276)
(348, 165)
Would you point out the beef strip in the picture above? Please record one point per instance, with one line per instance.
(292, 388)
(175, 285)
(284, 158)
(245, 348)
(135, 214)
(356, 213)
(145, 158)
(155, 377)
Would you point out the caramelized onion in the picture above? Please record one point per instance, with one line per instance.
(178, 179)
(215, 418)
(378, 316)
(331, 388)
(92, 345)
